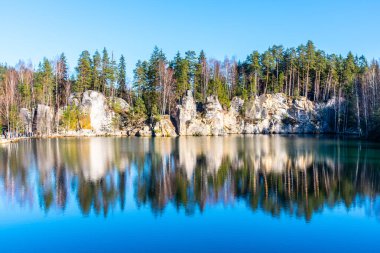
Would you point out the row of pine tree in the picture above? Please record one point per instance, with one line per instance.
(159, 83)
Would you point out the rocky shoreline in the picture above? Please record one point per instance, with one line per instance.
(265, 114)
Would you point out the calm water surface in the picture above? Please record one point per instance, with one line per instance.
(190, 194)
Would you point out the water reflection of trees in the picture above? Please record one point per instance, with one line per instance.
(294, 176)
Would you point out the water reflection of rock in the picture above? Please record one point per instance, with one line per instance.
(277, 174)
(269, 154)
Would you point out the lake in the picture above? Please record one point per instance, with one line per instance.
(190, 194)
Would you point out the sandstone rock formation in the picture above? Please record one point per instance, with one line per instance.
(186, 113)
(26, 120)
(233, 123)
(43, 120)
(145, 131)
(164, 127)
(278, 113)
(268, 113)
(208, 122)
(119, 105)
(95, 105)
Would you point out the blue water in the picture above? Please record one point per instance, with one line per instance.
(194, 194)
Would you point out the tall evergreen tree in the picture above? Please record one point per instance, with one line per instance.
(84, 72)
(106, 71)
(96, 71)
(191, 58)
(253, 61)
(121, 78)
(140, 77)
(154, 81)
(63, 85)
(201, 77)
(181, 74)
(267, 62)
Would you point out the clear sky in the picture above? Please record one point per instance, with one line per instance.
(30, 30)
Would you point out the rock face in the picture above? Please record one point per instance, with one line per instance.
(214, 116)
(278, 113)
(43, 120)
(119, 105)
(264, 114)
(269, 113)
(145, 131)
(233, 123)
(186, 113)
(164, 127)
(329, 112)
(26, 120)
(208, 122)
(94, 104)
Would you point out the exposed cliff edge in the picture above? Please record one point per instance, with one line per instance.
(95, 114)
(265, 114)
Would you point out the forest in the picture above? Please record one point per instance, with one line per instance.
(159, 83)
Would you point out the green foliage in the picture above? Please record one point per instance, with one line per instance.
(301, 71)
(14, 118)
(155, 115)
(70, 119)
(96, 71)
(44, 83)
(181, 68)
(62, 78)
(254, 68)
(84, 121)
(116, 106)
(149, 80)
(200, 77)
(84, 72)
(121, 78)
(138, 113)
(216, 87)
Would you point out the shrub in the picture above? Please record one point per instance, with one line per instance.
(70, 117)
(116, 106)
(85, 121)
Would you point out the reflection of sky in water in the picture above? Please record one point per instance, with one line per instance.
(190, 194)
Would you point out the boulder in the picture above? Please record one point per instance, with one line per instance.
(214, 116)
(43, 120)
(191, 122)
(164, 127)
(119, 105)
(145, 131)
(197, 127)
(186, 112)
(94, 105)
(26, 120)
(277, 113)
(232, 119)
(236, 105)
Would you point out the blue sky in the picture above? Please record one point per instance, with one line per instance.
(31, 30)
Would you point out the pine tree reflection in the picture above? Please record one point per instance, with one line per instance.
(279, 175)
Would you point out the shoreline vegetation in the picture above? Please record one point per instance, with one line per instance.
(281, 90)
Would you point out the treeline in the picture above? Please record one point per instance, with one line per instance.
(159, 83)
